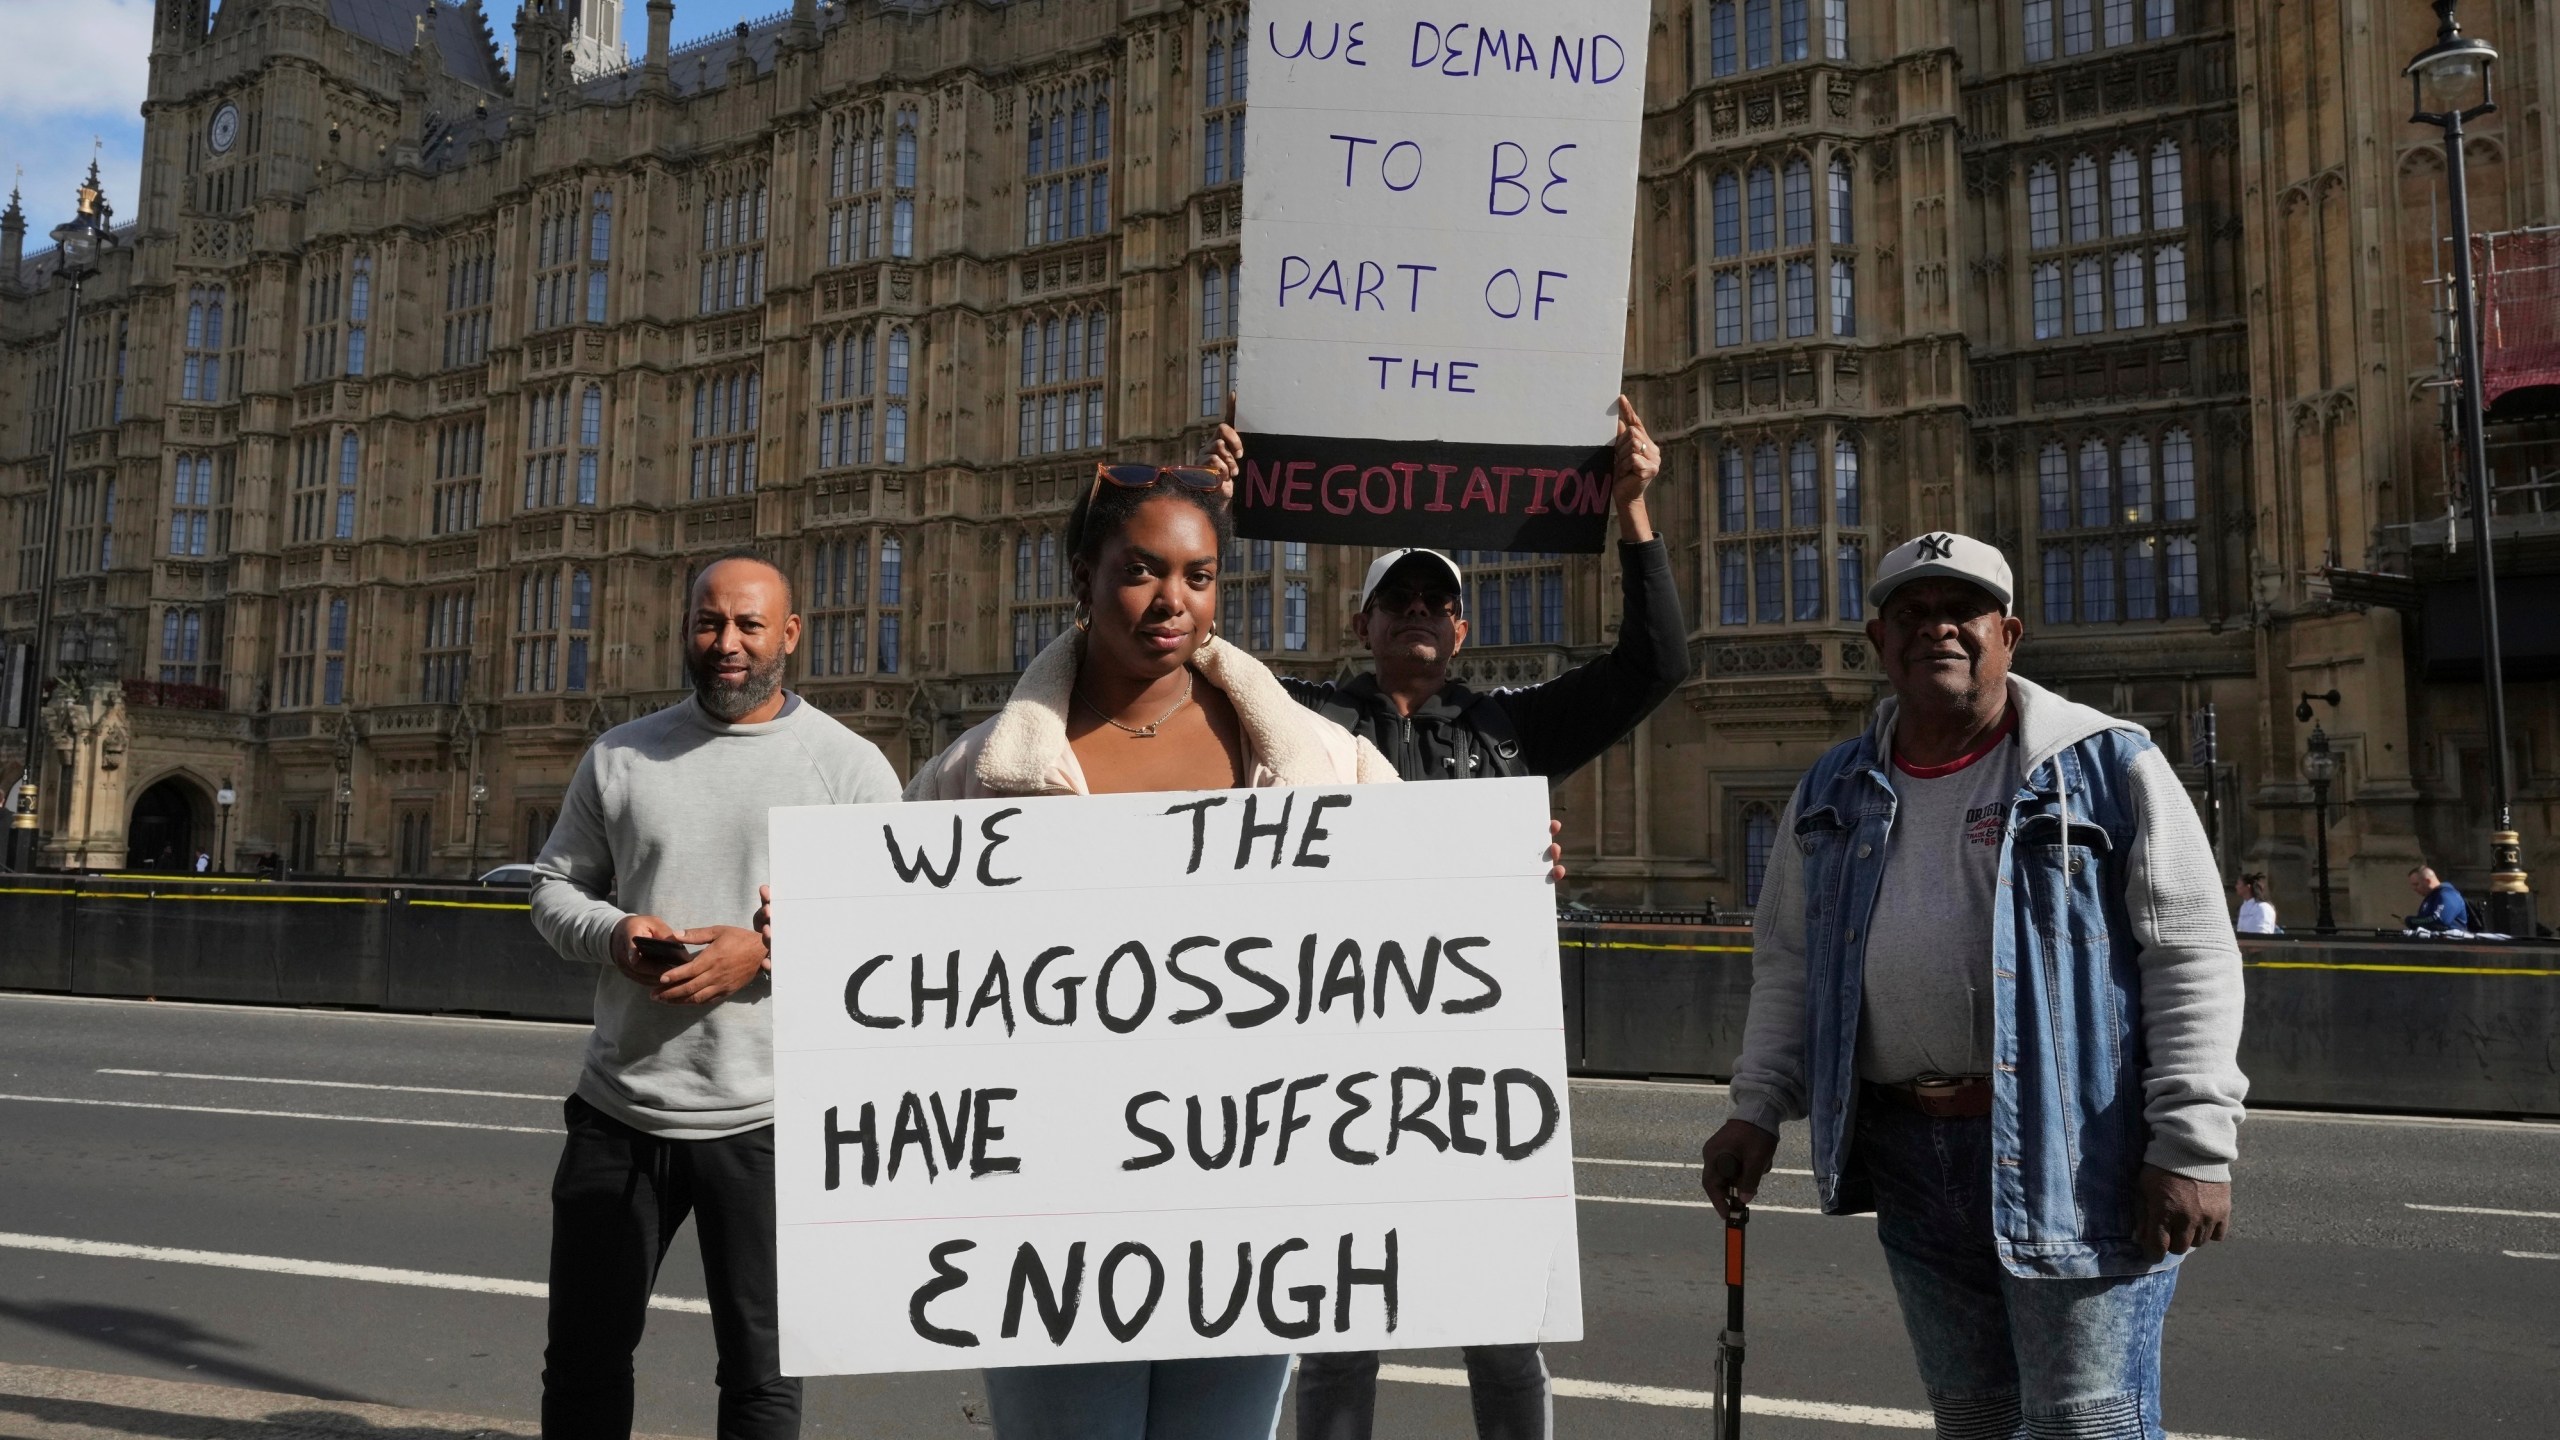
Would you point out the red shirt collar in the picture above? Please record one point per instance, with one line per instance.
(2007, 727)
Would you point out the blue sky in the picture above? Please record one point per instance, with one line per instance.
(73, 72)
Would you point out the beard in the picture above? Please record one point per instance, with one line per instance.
(730, 699)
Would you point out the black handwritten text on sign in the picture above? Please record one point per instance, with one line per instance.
(1152, 1076)
(1438, 221)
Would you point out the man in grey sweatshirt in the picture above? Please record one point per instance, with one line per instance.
(1991, 967)
(661, 839)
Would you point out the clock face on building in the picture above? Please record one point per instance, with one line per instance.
(225, 131)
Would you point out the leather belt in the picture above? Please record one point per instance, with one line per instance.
(1944, 1098)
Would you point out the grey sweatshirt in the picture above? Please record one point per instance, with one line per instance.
(667, 817)
(2191, 990)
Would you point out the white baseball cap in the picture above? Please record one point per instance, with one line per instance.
(1379, 567)
(1944, 554)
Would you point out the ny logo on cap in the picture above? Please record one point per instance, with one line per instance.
(1939, 546)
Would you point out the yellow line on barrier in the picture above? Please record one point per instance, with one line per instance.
(143, 878)
(242, 899)
(2401, 969)
(461, 905)
(33, 890)
(1677, 949)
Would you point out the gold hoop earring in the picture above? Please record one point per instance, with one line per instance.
(1083, 616)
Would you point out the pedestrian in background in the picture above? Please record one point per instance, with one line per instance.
(661, 838)
(2440, 906)
(1991, 964)
(2257, 913)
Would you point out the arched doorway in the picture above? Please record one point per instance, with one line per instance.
(162, 835)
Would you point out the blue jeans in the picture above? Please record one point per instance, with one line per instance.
(1228, 1398)
(2004, 1356)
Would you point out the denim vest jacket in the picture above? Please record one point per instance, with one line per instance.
(2067, 1116)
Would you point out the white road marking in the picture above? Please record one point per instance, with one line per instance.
(2528, 1255)
(317, 1269)
(282, 1114)
(2483, 1210)
(233, 1008)
(1876, 1416)
(1756, 1209)
(1657, 1164)
(333, 1084)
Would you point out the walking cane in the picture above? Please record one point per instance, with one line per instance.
(1728, 1411)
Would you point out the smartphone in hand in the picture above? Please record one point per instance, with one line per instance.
(662, 953)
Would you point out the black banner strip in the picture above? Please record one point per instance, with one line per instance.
(1439, 493)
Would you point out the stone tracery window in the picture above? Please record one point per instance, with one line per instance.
(1763, 208)
(2098, 282)
(2117, 517)
(734, 221)
(1065, 367)
(1790, 544)
(1222, 99)
(1066, 185)
(726, 421)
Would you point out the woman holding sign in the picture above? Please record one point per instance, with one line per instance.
(1143, 695)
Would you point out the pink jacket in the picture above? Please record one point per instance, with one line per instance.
(1024, 750)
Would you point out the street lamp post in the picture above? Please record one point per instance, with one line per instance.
(223, 800)
(2453, 77)
(346, 801)
(80, 246)
(479, 807)
(2320, 765)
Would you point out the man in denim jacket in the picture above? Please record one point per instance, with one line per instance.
(1992, 967)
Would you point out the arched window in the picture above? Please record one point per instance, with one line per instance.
(1764, 208)
(2037, 21)
(2169, 284)
(892, 574)
(1835, 29)
(2096, 499)
(1733, 498)
(1804, 489)
(1843, 231)
(1022, 566)
(906, 152)
(349, 453)
(590, 442)
(1726, 193)
(2084, 198)
(1049, 578)
(1758, 43)
(581, 619)
(1798, 183)
(1765, 493)
(1794, 42)
(2044, 206)
(1723, 49)
(1851, 562)
(2124, 193)
(359, 312)
(2133, 479)
(2177, 476)
(2168, 187)
(1759, 837)
(2053, 487)
(1844, 297)
(1848, 503)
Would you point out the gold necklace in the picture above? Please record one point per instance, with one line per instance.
(1134, 731)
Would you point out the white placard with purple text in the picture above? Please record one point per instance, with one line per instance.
(1144, 1077)
(1439, 216)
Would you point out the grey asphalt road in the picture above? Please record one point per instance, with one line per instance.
(2339, 1310)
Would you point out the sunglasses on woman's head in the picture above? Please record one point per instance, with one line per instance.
(1146, 477)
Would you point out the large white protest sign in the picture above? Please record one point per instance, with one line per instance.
(1439, 221)
(1154, 1076)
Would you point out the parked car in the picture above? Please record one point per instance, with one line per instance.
(510, 875)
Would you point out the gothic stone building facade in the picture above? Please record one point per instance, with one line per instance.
(433, 367)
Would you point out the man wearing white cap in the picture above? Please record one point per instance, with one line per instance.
(1991, 967)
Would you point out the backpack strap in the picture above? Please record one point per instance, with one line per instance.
(1491, 722)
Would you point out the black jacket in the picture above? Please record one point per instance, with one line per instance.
(1552, 729)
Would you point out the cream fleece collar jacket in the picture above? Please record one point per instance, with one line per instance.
(1023, 750)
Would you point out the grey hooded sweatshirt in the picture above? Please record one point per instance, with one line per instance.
(2191, 992)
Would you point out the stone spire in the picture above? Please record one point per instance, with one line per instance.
(13, 240)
